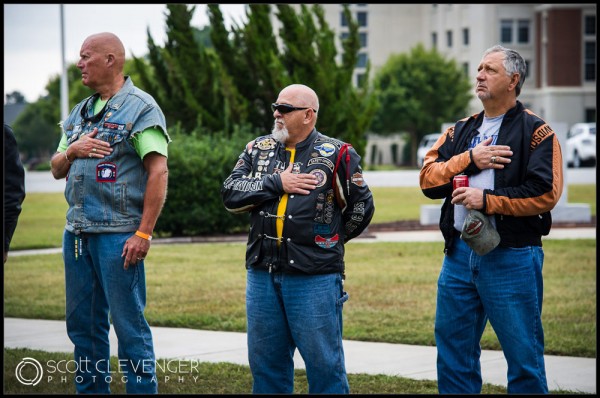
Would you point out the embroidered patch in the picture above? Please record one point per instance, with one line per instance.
(296, 168)
(106, 172)
(266, 144)
(325, 149)
(113, 126)
(324, 161)
(327, 243)
(239, 164)
(321, 177)
(357, 179)
(321, 229)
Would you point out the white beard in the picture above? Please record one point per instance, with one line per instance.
(280, 134)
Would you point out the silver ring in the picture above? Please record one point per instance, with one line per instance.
(493, 160)
(94, 149)
(89, 155)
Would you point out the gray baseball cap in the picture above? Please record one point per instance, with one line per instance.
(479, 233)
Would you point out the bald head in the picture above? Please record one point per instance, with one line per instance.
(101, 61)
(301, 96)
(107, 43)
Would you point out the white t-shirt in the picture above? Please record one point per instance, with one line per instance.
(484, 179)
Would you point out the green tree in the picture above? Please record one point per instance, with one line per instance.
(417, 92)
(260, 66)
(16, 97)
(186, 78)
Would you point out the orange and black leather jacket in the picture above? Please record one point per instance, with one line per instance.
(525, 190)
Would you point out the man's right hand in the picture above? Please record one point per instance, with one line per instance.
(300, 183)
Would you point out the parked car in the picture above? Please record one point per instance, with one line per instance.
(581, 145)
(426, 143)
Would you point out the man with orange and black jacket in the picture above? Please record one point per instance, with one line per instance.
(307, 197)
(514, 166)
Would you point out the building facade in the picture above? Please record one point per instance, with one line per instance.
(557, 41)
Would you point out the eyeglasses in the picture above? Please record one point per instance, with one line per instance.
(84, 110)
(285, 108)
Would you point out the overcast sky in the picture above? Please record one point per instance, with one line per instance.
(32, 38)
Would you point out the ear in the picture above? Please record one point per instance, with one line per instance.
(514, 80)
(309, 116)
(110, 59)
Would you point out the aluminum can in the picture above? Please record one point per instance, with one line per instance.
(460, 180)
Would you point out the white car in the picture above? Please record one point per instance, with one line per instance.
(581, 145)
(426, 143)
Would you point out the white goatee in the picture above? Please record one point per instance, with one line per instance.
(280, 134)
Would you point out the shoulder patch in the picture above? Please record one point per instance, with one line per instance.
(540, 135)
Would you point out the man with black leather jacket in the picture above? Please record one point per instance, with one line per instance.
(14, 186)
(307, 197)
(513, 162)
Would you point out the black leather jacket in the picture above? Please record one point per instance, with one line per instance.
(14, 185)
(316, 226)
(525, 190)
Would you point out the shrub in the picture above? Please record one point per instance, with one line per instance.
(198, 164)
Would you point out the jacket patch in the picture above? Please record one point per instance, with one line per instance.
(106, 172)
(239, 164)
(113, 126)
(324, 161)
(325, 149)
(321, 229)
(540, 135)
(321, 177)
(268, 143)
(357, 179)
(327, 243)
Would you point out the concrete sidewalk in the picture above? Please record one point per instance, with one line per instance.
(415, 362)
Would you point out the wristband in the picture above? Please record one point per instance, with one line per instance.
(143, 235)
(66, 157)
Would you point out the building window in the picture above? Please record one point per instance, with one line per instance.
(589, 48)
(434, 40)
(506, 27)
(344, 35)
(362, 37)
(449, 38)
(589, 25)
(343, 20)
(361, 62)
(512, 31)
(465, 35)
(523, 31)
(590, 115)
(465, 67)
(590, 61)
(527, 67)
(361, 16)
(360, 79)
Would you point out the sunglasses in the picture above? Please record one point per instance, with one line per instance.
(285, 108)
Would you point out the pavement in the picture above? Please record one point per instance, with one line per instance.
(411, 361)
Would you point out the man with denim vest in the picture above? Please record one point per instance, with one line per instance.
(513, 162)
(113, 154)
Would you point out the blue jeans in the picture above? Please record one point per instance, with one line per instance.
(287, 311)
(506, 287)
(97, 286)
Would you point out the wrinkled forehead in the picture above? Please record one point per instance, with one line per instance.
(495, 58)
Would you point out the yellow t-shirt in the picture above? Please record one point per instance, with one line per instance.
(283, 202)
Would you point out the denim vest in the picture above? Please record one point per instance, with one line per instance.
(107, 194)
